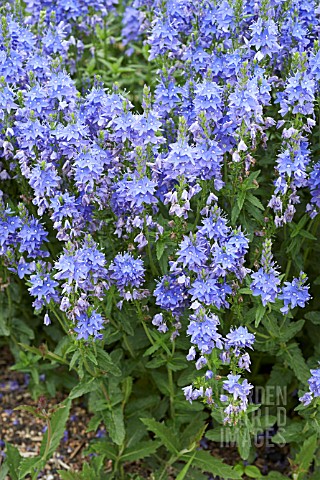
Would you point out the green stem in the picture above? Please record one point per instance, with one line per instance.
(140, 315)
(171, 389)
(125, 340)
(60, 320)
(49, 435)
(105, 393)
(152, 265)
(173, 459)
(288, 269)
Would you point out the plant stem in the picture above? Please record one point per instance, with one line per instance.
(171, 389)
(49, 434)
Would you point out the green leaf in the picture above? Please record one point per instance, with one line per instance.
(255, 212)
(185, 469)
(252, 471)
(240, 199)
(291, 433)
(69, 475)
(114, 422)
(83, 387)
(314, 317)
(105, 447)
(178, 362)
(296, 362)
(306, 234)
(31, 465)
(244, 443)
(291, 330)
(106, 364)
(280, 376)
(305, 456)
(207, 463)
(74, 359)
(276, 476)
(4, 469)
(160, 246)
(4, 329)
(168, 438)
(58, 425)
(194, 431)
(254, 201)
(235, 213)
(140, 450)
(260, 311)
(13, 460)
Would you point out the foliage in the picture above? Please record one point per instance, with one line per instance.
(159, 216)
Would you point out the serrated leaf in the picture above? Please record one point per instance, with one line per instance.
(164, 433)
(178, 362)
(255, 212)
(254, 201)
(114, 423)
(58, 424)
(291, 330)
(305, 456)
(208, 463)
(83, 387)
(291, 433)
(4, 329)
(106, 364)
(13, 459)
(75, 357)
(194, 431)
(105, 447)
(31, 465)
(90, 355)
(69, 475)
(156, 362)
(140, 450)
(296, 362)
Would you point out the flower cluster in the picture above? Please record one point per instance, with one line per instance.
(314, 387)
(86, 175)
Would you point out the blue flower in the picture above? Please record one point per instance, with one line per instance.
(295, 293)
(44, 288)
(266, 285)
(170, 294)
(31, 237)
(240, 338)
(89, 326)
(203, 331)
(298, 95)
(210, 292)
(192, 253)
(314, 387)
(126, 271)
